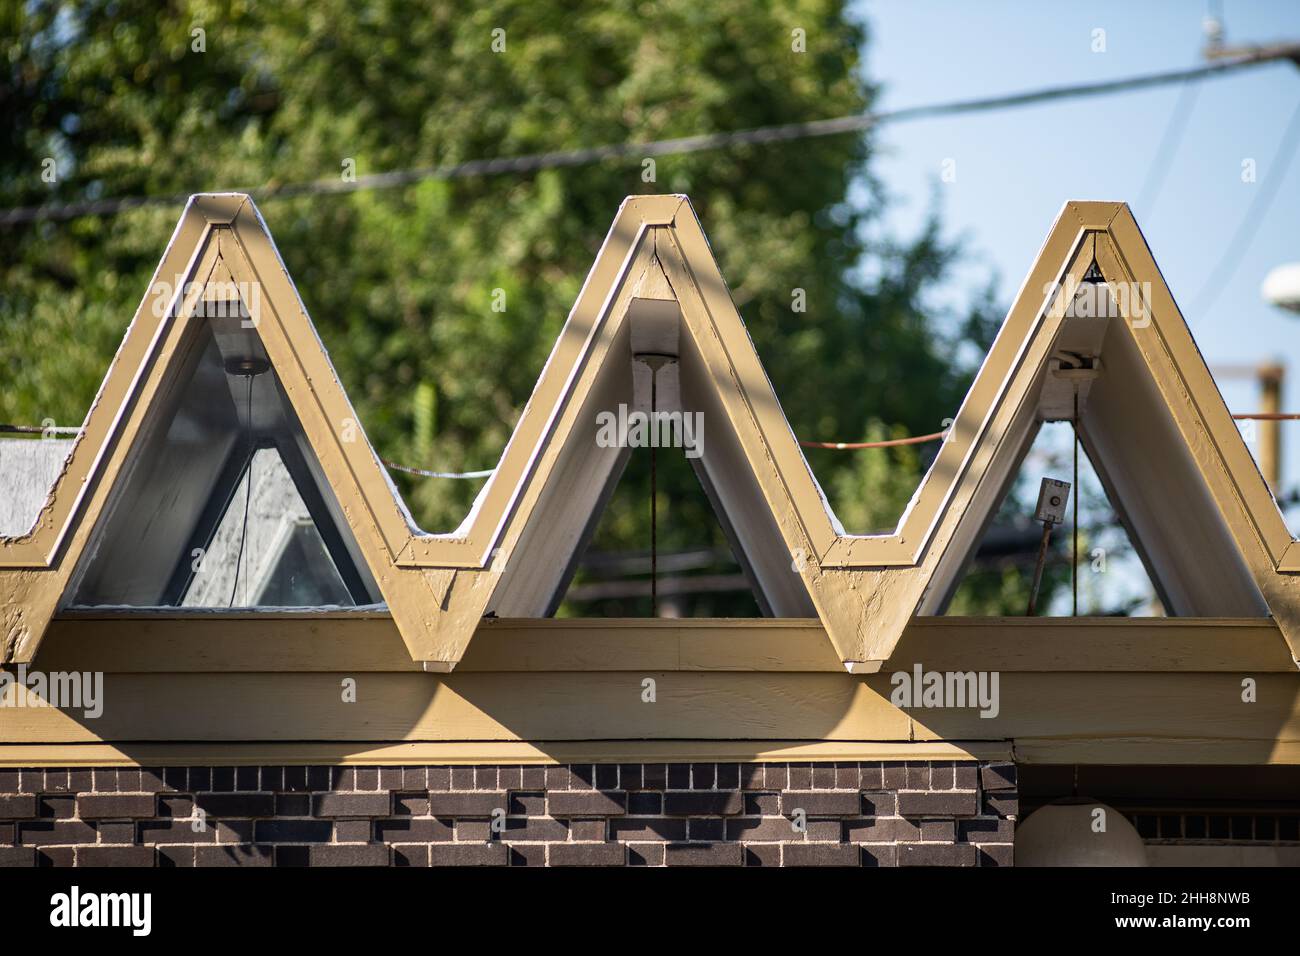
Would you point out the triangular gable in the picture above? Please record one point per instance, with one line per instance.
(220, 241)
(863, 588)
(1190, 493)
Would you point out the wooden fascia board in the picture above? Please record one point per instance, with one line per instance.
(370, 642)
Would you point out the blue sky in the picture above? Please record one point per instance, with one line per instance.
(1016, 167)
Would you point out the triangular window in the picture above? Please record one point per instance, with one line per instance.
(222, 503)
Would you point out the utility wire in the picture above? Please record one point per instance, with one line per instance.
(1245, 234)
(1169, 141)
(534, 162)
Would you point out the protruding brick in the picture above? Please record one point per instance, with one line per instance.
(352, 805)
(931, 803)
(937, 854)
(817, 803)
(116, 806)
(236, 804)
(351, 854)
(115, 856)
(820, 854)
(704, 854)
(586, 803)
(481, 803)
(587, 854)
(998, 776)
(468, 854)
(17, 806)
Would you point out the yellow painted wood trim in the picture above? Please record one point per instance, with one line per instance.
(365, 643)
(492, 752)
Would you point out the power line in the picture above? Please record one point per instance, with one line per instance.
(1169, 141)
(535, 162)
(1245, 233)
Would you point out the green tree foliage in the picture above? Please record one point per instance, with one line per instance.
(401, 283)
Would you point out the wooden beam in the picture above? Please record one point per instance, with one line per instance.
(489, 752)
(365, 642)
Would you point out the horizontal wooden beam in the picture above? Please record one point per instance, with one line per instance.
(489, 752)
(1152, 718)
(365, 642)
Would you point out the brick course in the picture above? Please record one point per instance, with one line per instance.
(931, 813)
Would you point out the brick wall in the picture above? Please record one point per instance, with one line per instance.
(870, 814)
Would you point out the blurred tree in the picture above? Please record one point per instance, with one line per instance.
(140, 97)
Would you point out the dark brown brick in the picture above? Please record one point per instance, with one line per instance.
(476, 804)
(705, 829)
(352, 805)
(645, 854)
(121, 833)
(645, 802)
(879, 855)
(171, 856)
(647, 828)
(410, 854)
(236, 855)
(586, 803)
(881, 830)
(352, 831)
(588, 831)
(175, 831)
(929, 803)
(115, 856)
(762, 804)
(996, 854)
(937, 854)
(414, 804)
(879, 804)
(987, 831)
(116, 806)
(176, 806)
(704, 803)
(703, 776)
(412, 830)
(468, 854)
(762, 829)
(17, 806)
(751, 776)
(236, 804)
(1005, 804)
(871, 776)
(820, 854)
(530, 778)
(704, 854)
(473, 831)
(998, 776)
(439, 778)
(587, 854)
(17, 856)
(762, 854)
(50, 807)
(938, 831)
(293, 831)
(357, 854)
(819, 803)
(42, 833)
(293, 804)
(534, 830)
